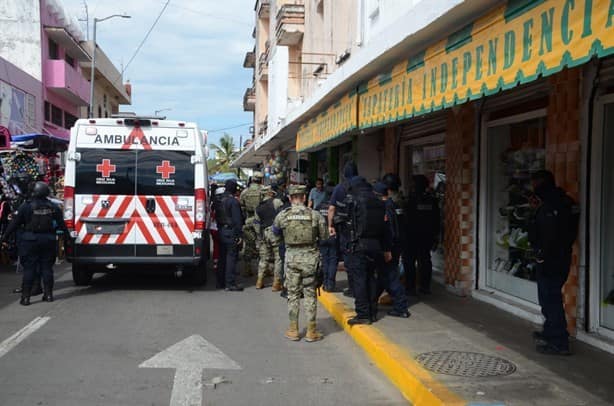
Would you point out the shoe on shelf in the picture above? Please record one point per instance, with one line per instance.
(357, 320)
(402, 314)
(551, 349)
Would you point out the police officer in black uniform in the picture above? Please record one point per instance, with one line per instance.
(329, 253)
(423, 219)
(552, 232)
(370, 245)
(40, 219)
(230, 228)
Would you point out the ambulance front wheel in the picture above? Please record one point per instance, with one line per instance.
(81, 275)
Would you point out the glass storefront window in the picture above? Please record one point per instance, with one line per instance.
(515, 151)
(607, 222)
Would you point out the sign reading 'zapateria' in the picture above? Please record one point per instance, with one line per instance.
(336, 120)
(512, 45)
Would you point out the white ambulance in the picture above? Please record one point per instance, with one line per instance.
(136, 194)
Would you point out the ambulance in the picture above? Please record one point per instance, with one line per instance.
(135, 195)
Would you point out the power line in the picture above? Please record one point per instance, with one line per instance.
(229, 128)
(211, 15)
(143, 41)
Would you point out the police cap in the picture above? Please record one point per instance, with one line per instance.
(297, 190)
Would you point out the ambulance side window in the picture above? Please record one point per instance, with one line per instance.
(105, 172)
(165, 173)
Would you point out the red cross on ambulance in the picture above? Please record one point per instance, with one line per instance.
(165, 170)
(106, 168)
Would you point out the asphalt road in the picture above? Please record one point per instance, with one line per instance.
(89, 349)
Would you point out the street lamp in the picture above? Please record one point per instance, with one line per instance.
(96, 20)
(160, 111)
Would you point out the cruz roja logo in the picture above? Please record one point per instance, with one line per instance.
(105, 168)
(165, 170)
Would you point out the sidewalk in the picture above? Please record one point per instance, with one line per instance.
(444, 322)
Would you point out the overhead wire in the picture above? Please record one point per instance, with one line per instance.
(230, 128)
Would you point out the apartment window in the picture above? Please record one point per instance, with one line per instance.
(57, 116)
(54, 50)
(47, 111)
(69, 120)
(69, 60)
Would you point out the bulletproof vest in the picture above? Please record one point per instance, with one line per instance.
(41, 221)
(221, 214)
(266, 212)
(299, 230)
(367, 214)
(323, 209)
(252, 199)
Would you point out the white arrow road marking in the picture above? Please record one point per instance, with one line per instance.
(14, 340)
(189, 358)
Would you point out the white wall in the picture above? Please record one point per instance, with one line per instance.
(380, 14)
(278, 87)
(20, 37)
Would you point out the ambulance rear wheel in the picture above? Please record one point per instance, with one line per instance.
(81, 275)
(196, 275)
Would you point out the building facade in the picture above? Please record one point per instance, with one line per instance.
(513, 87)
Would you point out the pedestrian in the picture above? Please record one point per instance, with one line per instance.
(317, 195)
(229, 222)
(423, 224)
(301, 229)
(40, 219)
(329, 253)
(215, 237)
(337, 225)
(370, 245)
(250, 199)
(552, 233)
(269, 244)
(388, 278)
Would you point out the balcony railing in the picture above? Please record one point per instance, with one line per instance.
(290, 24)
(65, 81)
(250, 60)
(263, 63)
(249, 99)
(263, 8)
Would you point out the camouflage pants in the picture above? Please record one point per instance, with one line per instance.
(301, 267)
(250, 238)
(269, 255)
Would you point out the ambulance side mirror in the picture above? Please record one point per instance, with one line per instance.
(74, 156)
(196, 159)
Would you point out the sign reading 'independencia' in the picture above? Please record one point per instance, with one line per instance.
(512, 45)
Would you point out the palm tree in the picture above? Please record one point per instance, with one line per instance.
(225, 153)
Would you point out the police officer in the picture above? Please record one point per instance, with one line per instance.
(388, 277)
(301, 229)
(329, 252)
(229, 222)
(40, 219)
(371, 244)
(269, 243)
(336, 227)
(423, 219)
(552, 233)
(250, 199)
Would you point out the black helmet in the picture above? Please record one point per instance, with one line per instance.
(392, 181)
(40, 190)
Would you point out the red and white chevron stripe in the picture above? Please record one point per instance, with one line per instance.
(165, 226)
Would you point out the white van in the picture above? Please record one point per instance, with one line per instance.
(136, 194)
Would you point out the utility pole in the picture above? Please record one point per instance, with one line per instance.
(87, 21)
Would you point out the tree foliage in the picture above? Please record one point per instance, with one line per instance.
(225, 153)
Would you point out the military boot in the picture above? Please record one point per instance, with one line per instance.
(48, 295)
(276, 285)
(25, 296)
(292, 331)
(312, 334)
(260, 283)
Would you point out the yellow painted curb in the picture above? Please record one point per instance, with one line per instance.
(415, 383)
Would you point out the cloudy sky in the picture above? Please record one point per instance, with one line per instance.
(192, 62)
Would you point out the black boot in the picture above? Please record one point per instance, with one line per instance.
(48, 295)
(25, 296)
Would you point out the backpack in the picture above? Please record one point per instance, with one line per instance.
(41, 221)
(221, 215)
(266, 212)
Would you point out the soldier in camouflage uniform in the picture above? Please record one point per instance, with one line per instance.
(302, 229)
(269, 243)
(250, 199)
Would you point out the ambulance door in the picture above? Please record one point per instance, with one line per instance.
(104, 203)
(165, 203)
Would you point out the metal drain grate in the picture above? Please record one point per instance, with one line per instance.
(468, 364)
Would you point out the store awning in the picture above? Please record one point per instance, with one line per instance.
(250, 157)
(45, 143)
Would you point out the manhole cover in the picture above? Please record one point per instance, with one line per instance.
(469, 364)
